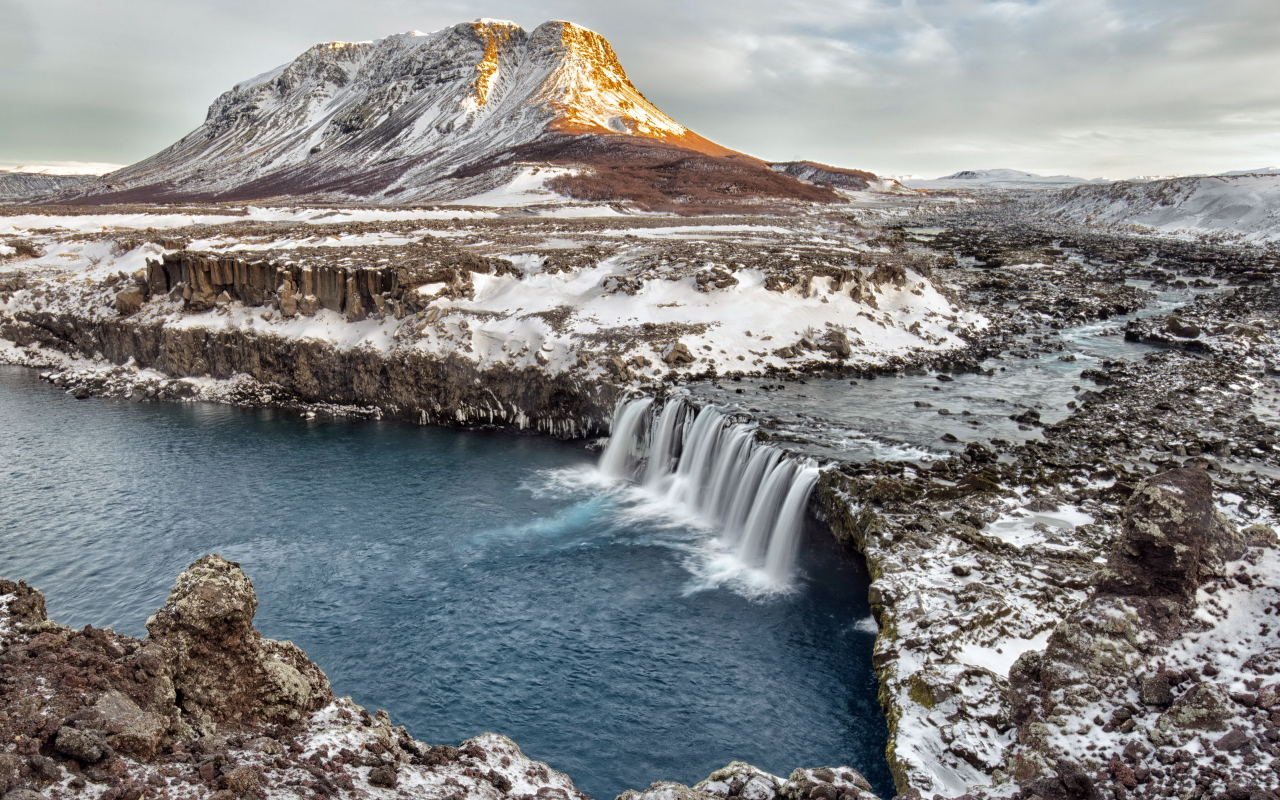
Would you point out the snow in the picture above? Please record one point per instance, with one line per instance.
(527, 188)
(998, 178)
(1000, 657)
(1247, 206)
(64, 168)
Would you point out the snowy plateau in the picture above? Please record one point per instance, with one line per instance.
(1043, 412)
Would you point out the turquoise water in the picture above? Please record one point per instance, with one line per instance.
(464, 581)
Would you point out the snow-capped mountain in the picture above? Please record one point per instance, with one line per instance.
(444, 116)
(1000, 179)
(1258, 171)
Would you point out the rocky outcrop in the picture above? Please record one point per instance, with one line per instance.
(741, 781)
(205, 707)
(221, 666)
(300, 373)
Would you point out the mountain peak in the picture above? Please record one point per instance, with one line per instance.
(411, 117)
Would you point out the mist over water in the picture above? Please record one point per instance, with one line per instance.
(464, 581)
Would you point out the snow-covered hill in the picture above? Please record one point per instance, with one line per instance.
(16, 187)
(1248, 205)
(999, 179)
(444, 116)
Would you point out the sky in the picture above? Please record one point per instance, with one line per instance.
(1114, 88)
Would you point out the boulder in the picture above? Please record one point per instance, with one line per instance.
(129, 300)
(129, 729)
(678, 354)
(87, 746)
(836, 343)
(1172, 539)
(1204, 707)
(1181, 328)
(223, 670)
(1069, 783)
(738, 779)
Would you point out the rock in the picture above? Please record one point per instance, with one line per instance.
(738, 779)
(129, 301)
(10, 770)
(1070, 783)
(678, 354)
(824, 783)
(1233, 741)
(87, 746)
(665, 790)
(1172, 539)
(1181, 328)
(618, 368)
(223, 669)
(130, 729)
(1204, 707)
(1156, 690)
(1269, 696)
(24, 794)
(836, 343)
(945, 378)
(383, 776)
(243, 782)
(308, 305)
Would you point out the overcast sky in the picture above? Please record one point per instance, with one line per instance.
(1111, 88)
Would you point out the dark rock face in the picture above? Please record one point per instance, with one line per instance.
(1172, 538)
(222, 667)
(1070, 782)
(407, 385)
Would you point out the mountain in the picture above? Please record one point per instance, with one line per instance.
(849, 180)
(1247, 205)
(1258, 171)
(21, 187)
(445, 116)
(1000, 179)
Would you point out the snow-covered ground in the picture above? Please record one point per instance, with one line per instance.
(629, 304)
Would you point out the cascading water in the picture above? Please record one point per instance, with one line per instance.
(753, 492)
(626, 445)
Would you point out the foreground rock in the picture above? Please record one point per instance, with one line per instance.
(739, 780)
(206, 707)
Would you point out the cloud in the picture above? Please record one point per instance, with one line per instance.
(924, 86)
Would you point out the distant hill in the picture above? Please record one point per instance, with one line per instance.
(1000, 179)
(1246, 204)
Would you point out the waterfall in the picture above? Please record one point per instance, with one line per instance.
(664, 449)
(753, 492)
(627, 442)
